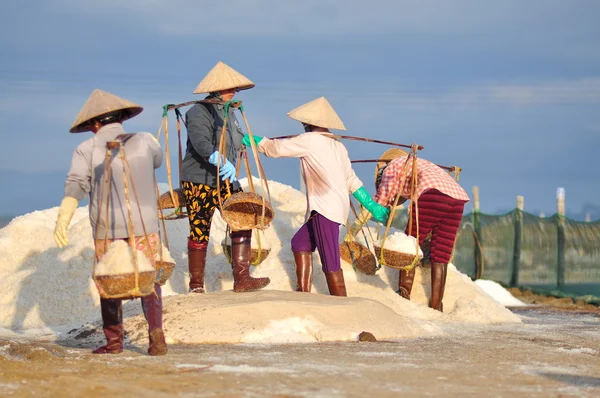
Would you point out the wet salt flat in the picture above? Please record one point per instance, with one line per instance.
(550, 354)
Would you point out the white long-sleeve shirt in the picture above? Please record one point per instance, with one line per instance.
(326, 170)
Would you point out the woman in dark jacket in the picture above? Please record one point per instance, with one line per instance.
(199, 176)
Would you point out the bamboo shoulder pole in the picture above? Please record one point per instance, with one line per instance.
(354, 138)
(448, 168)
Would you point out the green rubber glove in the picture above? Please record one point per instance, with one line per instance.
(379, 212)
(246, 139)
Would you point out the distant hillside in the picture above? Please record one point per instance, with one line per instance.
(579, 215)
(592, 209)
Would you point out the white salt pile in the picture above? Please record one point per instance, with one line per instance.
(44, 286)
(118, 260)
(499, 293)
(165, 255)
(274, 317)
(402, 243)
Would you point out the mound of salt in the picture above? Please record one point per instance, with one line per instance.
(119, 259)
(398, 241)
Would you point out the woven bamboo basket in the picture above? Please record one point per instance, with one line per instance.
(242, 211)
(165, 201)
(256, 256)
(122, 286)
(164, 270)
(360, 256)
(394, 259)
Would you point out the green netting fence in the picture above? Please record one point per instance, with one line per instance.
(554, 255)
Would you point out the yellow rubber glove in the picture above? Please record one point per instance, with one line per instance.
(362, 219)
(65, 214)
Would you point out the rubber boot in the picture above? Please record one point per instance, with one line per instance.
(304, 270)
(335, 283)
(405, 283)
(196, 265)
(438, 285)
(240, 263)
(152, 307)
(112, 324)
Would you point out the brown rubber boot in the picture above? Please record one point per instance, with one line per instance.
(438, 285)
(152, 307)
(304, 270)
(112, 324)
(240, 263)
(196, 264)
(405, 283)
(335, 283)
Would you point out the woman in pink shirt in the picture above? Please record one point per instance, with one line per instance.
(441, 201)
(329, 179)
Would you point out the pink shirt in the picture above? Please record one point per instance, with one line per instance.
(326, 171)
(429, 176)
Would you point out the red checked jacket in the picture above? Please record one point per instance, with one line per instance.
(429, 176)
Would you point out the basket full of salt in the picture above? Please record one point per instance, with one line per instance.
(115, 274)
(165, 265)
(243, 211)
(359, 256)
(399, 251)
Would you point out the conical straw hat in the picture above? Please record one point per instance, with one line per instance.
(385, 157)
(100, 103)
(318, 113)
(223, 77)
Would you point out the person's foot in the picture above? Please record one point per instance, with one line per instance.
(250, 284)
(110, 348)
(158, 345)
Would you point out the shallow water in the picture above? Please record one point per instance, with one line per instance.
(551, 354)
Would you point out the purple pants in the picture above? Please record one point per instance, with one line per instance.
(322, 234)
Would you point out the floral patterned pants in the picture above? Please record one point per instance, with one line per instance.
(201, 201)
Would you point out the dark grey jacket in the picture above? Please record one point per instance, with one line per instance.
(204, 124)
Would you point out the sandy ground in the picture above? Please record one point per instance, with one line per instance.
(552, 354)
(564, 303)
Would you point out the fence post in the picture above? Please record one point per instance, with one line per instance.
(514, 278)
(560, 229)
(588, 217)
(477, 230)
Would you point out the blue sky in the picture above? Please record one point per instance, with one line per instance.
(509, 90)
